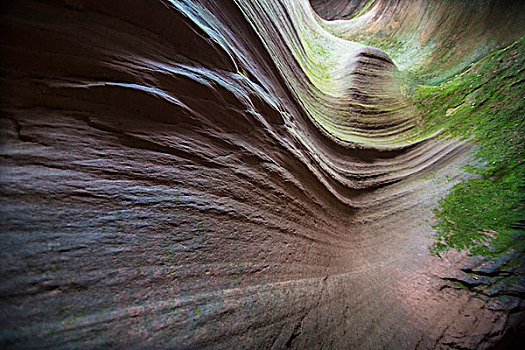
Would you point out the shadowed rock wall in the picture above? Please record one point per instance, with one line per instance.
(187, 174)
(337, 9)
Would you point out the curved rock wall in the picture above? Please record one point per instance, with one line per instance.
(433, 40)
(205, 174)
(337, 9)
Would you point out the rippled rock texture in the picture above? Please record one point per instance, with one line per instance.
(235, 174)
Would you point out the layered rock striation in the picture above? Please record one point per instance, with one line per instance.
(232, 174)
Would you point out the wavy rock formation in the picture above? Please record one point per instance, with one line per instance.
(234, 174)
(432, 40)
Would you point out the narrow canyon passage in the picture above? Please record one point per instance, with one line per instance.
(241, 174)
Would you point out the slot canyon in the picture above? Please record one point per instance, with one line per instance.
(262, 174)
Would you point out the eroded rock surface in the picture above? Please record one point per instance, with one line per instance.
(220, 174)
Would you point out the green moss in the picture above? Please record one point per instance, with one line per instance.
(485, 103)
(319, 62)
(363, 9)
(197, 311)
